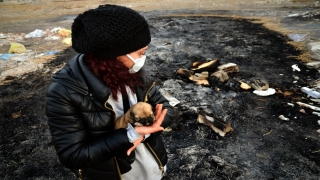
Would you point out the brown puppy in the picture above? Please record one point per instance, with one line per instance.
(140, 114)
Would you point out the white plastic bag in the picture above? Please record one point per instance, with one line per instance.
(35, 33)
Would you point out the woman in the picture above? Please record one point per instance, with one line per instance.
(97, 87)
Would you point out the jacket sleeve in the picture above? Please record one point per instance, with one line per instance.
(155, 97)
(70, 136)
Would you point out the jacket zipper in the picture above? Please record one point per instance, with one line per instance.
(80, 174)
(118, 169)
(156, 156)
(115, 159)
(146, 96)
(149, 147)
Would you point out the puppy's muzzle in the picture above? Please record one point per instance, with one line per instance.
(148, 121)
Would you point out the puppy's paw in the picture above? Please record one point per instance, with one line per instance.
(137, 124)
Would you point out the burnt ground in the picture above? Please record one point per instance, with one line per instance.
(261, 146)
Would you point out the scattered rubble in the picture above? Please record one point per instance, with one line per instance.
(308, 106)
(310, 92)
(17, 48)
(215, 123)
(200, 70)
(283, 118)
(260, 85)
(244, 85)
(19, 60)
(297, 37)
(295, 67)
(267, 92)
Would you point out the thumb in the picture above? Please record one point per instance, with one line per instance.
(135, 144)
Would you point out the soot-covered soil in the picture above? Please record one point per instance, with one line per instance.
(261, 146)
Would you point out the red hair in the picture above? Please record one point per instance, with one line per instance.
(113, 73)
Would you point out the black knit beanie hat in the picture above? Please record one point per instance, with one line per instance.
(109, 31)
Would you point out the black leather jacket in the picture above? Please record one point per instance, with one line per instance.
(81, 122)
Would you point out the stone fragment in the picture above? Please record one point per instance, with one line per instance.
(229, 68)
(260, 85)
(314, 47)
(215, 123)
(220, 162)
(302, 111)
(308, 106)
(244, 86)
(313, 65)
(316, 113)
(184, 73)
(201, 76)
(221, 75)
(297, 37)
(283, 118)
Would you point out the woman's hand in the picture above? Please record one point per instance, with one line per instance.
(155, 127)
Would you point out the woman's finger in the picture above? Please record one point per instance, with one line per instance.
(160, 118)
(135, 144)
(156, 126)
(158, 110)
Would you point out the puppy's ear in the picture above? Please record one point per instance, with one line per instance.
(131, 114)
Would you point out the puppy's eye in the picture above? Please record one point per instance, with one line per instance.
(137, 118)
(132, 114)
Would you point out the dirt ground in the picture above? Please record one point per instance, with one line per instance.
(251, 34)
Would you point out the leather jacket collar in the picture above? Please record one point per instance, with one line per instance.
(77, 76)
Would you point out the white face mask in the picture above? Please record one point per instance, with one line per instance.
(138, 63)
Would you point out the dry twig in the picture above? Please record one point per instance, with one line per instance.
(268, 133)
(315, 151)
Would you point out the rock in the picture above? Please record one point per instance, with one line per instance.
(221, 75)
(283, 118)
(201, 76)
(297, 37)
(229, 68)
(184, 73)
(245, 86)
(260, 85)
(314, 47)
(302, 111)
(218, 160)
(315, 57)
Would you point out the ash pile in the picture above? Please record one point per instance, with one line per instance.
(232, 82)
